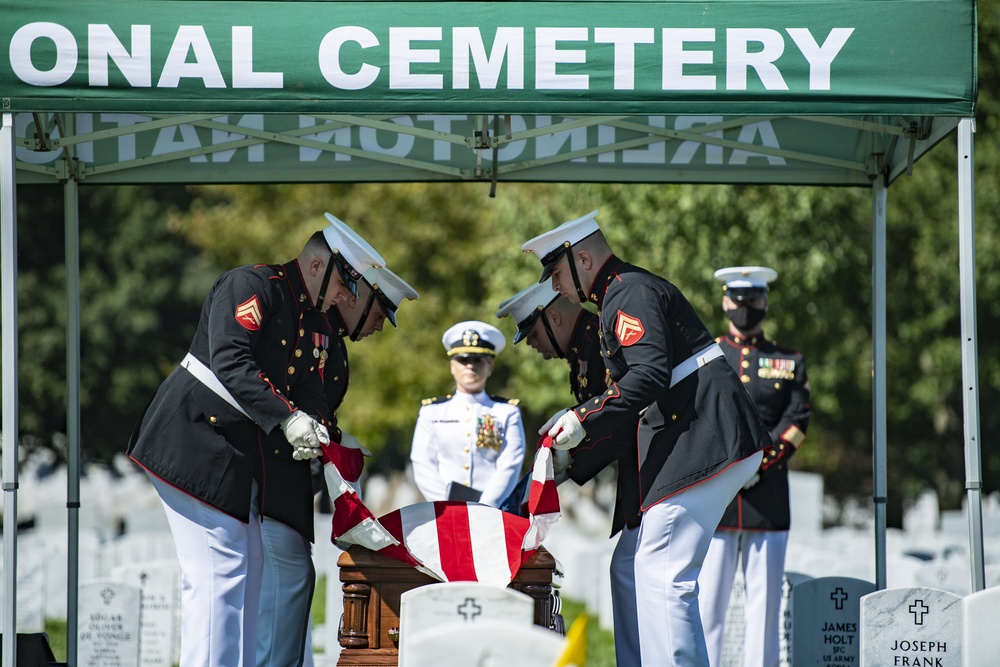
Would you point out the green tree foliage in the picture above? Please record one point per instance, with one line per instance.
(140, 293)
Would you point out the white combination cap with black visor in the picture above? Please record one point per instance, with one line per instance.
(527, 306)
(352, 255)
(551, 246)
(389, 289)
(740, 283)
(473, 338)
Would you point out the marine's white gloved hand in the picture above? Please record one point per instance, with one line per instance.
(560, 461)
(551, 422)
(567, 432)
(305, 435)
(349, 441)
(752, 481)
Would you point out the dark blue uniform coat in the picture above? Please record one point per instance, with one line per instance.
(666, 439)
(775, 377)
(260, 335)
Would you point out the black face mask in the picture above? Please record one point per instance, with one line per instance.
(744, 317)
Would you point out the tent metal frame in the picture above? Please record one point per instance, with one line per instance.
(879, 169)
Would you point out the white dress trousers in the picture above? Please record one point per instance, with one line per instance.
(671, 543)
(446, 447)
(286, 596)
(221, 562)
(762, 555)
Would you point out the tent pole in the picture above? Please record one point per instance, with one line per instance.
(970, 364)
(879, 494)
(71, 216)
(8, 355)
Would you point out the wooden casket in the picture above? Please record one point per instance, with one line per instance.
(372, 587)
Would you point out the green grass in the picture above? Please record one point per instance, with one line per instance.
(56, 630)
(600, 642)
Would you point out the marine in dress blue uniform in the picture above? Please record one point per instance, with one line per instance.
(558, 329)
(753, 532)
(697, 439)
(289, 575)
(202, 437)
(469, 445)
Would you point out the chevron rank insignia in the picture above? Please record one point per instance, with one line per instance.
(628, 329)
(248, 314)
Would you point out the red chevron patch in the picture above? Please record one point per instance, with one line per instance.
(248, 314)
(628, 329)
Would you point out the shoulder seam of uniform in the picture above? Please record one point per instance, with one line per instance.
(435, 399)
(504, 399)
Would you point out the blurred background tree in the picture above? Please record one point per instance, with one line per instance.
(149, 255)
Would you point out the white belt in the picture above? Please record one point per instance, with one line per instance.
(205, 375)
(694, 362)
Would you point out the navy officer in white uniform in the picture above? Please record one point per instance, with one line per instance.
(469, 445)
(683, 428)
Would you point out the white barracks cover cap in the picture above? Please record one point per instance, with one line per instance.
(552, 245)
(527, 305)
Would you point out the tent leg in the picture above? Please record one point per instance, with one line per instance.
(970, 364)
(8, 389)
(71, 215)
(879, 485)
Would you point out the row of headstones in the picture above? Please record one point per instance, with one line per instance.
(845, 621)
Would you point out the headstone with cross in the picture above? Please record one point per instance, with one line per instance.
(458, 605)
(980, 639)
(911, 627)
(825, 621)
(159, 583)
(109, 624)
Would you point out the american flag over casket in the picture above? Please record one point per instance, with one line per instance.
(451, 540)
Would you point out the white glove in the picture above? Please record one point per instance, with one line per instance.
(567, 432)
(305, 435)
(349, 441)
(551, 422)
(752, 481)
(560, 461)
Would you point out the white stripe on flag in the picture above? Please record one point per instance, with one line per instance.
(420, 535)
(489, 548)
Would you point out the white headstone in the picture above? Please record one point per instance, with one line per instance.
(159, 632)
(826, 620)
(461, 604)
(953, 575)
(732, 642)
(109, 624)
(980, 638)
(31, 593)
(911, 626)
(805, 493)
(488, 643)
(791, 580)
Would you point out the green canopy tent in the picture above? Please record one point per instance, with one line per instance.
(821, 92)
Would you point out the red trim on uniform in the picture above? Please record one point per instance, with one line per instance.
(186, 493)
(669, 495)
(605, 397)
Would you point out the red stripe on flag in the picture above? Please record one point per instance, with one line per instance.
(393, 522)
(514, 529)
(348, 512)
(544, 498)
(455, 541)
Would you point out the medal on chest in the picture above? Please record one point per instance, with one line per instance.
(488, 434)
